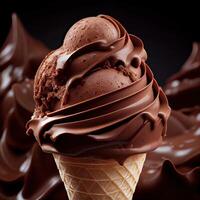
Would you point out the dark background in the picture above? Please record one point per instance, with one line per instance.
(167, 29)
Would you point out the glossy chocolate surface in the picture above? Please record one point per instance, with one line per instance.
(25, 171)
(183, 88)
(170, 172)
(113, 120)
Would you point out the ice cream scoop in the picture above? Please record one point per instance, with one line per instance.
(89, 30)
(98, 93)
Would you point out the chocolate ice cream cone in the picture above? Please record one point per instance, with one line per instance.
(97, 101)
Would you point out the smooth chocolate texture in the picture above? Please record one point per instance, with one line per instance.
(183, 88)
(173, 170)
(20, 57)
(23, 166)
(170, 172)
(120, 110)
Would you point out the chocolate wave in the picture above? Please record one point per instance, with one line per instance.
(119, 123)
(47, 185)
(20, 174)
(14, 144)
(174, 166)
(183, 88)
(20, 57)
(19, 154)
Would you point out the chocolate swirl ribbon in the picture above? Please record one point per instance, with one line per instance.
(122, 122)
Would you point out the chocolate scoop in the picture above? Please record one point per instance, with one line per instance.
(89, 30)
(96, 95)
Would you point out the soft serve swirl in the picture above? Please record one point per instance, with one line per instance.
(120, 122)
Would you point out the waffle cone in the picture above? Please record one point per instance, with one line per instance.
(96, 179)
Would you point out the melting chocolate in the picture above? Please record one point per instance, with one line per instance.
(21, 159)
(20, 57)
(183, 88)
(172, 171)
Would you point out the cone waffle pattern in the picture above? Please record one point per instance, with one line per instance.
(95, 179)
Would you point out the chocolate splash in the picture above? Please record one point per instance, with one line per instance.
(20, 159)
(172, 171)
(20, 57)
(183, 88)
